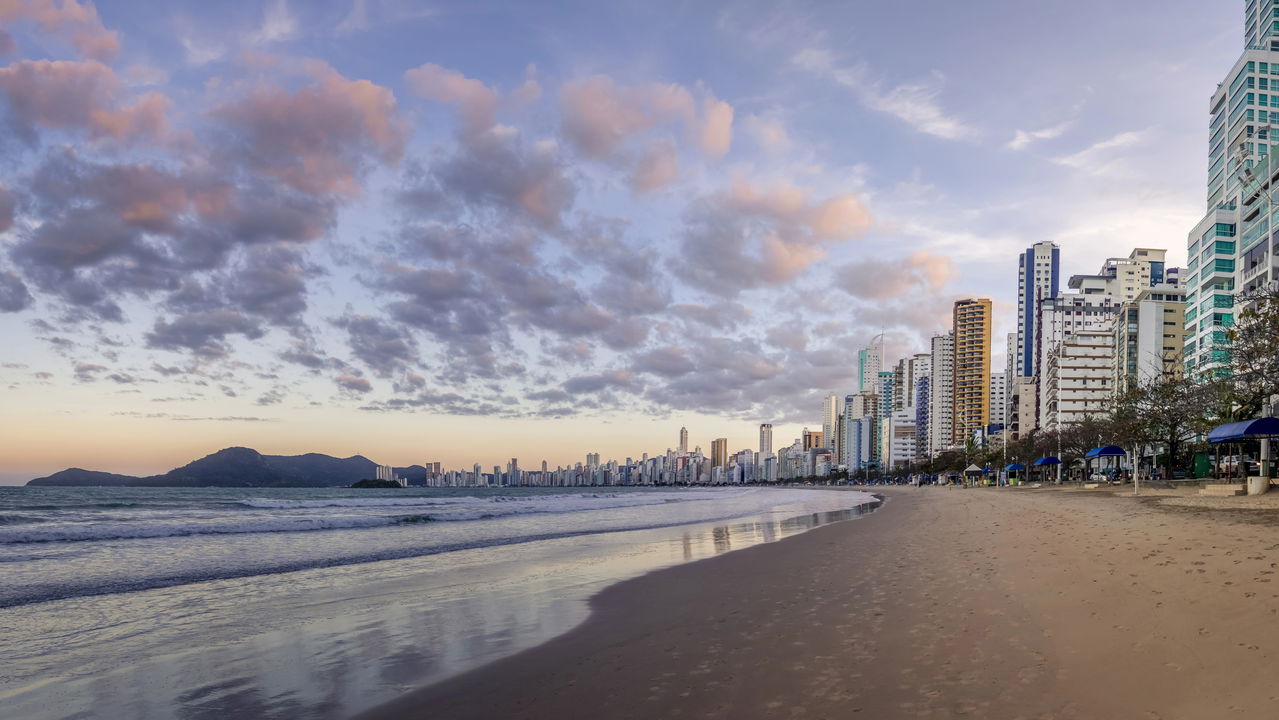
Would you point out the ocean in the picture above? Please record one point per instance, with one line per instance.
(321, 603)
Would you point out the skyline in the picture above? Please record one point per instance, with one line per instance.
(337, 228)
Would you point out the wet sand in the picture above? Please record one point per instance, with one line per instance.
(945, 603)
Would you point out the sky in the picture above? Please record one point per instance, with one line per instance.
(464, 232)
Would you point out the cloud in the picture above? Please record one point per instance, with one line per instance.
(319, 138)
(494, 173)
(748, 237)
(876, 279)
(383, 347)
(77, 22)
(915, 103)
(278, 25)
(768, 133)
(14, 296)
(204, 333)
(716, 132)
(353, 383)
(477, 101)
(586, 384)
(599, 117)
(8, 206)
(669, 361)
(7, 44)
(69, 95)
(1103, 157)
(366, 14)
(657, 167)
(1023, 139)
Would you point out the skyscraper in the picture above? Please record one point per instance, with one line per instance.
(941, 417)
(765, 440)
(972, 367)
(1240, 179)
(830, 419)
(719, 452)
(870, 361)
(1038, 277)
(683, 440)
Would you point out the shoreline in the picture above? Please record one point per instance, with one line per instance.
(943, 603)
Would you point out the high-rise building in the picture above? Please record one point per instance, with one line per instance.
(1038, 277)
(870, 361)
(972, 323)
(830, 419)
(1149, 336)
(998, 399)
(1124, 278)
(812, 439)
(1077, 381)
(683, 440)
(941, 419)
(857, 443)
(719, 452)
(1241, 176)
(765, 440)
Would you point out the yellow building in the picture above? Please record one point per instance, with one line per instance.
(972, 330)
(719, 452)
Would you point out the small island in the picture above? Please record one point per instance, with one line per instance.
(377, 484)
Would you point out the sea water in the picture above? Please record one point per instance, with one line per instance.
(320, 603)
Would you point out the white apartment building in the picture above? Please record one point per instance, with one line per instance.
(1124, 278)
(1079, 378)
(1149, 334)
(941, 389)
(902, 448)
(1038, 278)
(857, 442)
(998, 399)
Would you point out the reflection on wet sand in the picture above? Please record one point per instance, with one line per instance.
(328, 643)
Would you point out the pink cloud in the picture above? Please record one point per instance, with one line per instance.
(600, 116)
(919, 275)
(657, 167)
(716, 133)
(477, 101)
(63, 94)
(318, 138)
(80, 22)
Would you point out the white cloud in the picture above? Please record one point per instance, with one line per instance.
(914, 103)
(768, 133)
(1024, 138)
(278, 24)
(1104, 157)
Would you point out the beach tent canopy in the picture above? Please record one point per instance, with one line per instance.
(1230, 432)
(1015, 466)
(973, 469)
(1106, 451)
(1049, 460)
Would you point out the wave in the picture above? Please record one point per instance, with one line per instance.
(45, 593)
(614, 500)
(292, 515)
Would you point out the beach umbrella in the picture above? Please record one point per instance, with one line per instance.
(1047, 460)
(1260, 428)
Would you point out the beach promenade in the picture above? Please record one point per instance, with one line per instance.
(945, 603)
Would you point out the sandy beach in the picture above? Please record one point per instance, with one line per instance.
(945, 603)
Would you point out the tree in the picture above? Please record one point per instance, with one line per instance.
(1168, 411)
(1254, 339)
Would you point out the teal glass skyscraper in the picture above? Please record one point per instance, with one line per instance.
(1243, 110)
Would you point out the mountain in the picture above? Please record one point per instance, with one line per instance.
(78, 476)
(323, 470)
(242, 467)
(232, 467)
